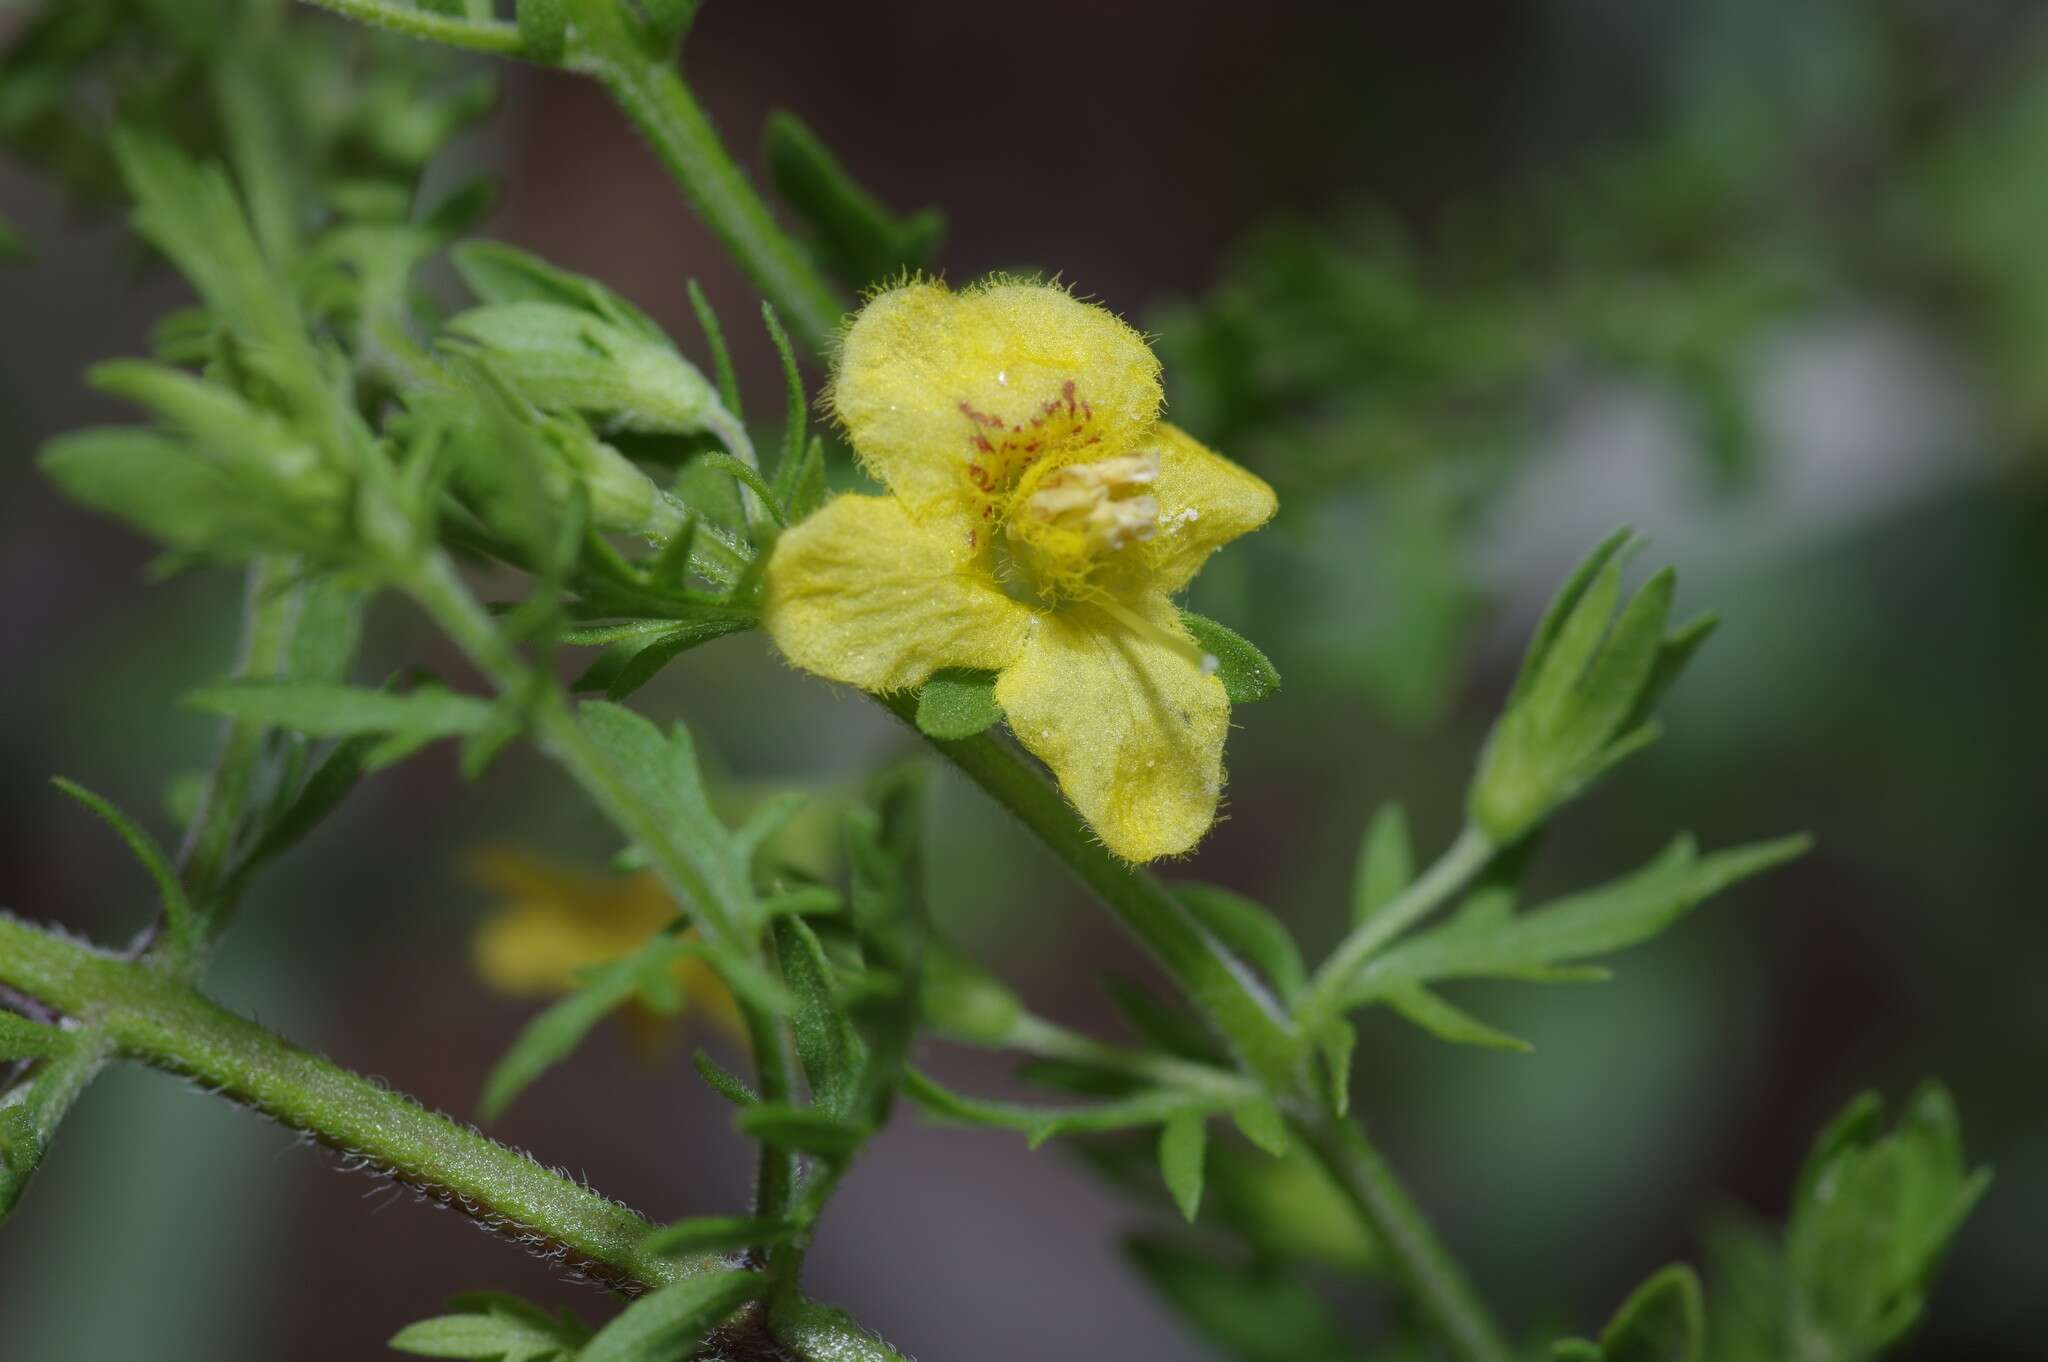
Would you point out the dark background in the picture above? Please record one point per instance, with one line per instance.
(1881, 568)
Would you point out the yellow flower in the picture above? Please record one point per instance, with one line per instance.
(1040, 519)
(556, 922)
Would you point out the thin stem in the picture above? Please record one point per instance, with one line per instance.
(494, 36)
(148, 1015)
(1464, 859)
(1048, 1040)
(653, 95)
(1233, 999)
(270, 615)
(1427, 1268)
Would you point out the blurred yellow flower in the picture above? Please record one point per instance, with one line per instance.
(1040, 518)
(556, 922)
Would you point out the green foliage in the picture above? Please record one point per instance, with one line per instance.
(493, 1327)
(1582, 701)
(958, 703)
(1488, 939)
(1386, 862)
(406, 721)
(718, 1234)
(646, 975)
(858, 239)
(1258, 1313)
(1183, 1146)
(668, 1322)
(177, 906)
(1663, 1320)
(1243, 669)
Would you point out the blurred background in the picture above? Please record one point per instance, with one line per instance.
(1471, 285)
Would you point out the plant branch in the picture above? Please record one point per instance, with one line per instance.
(1426, 1267)
(1235, 1002)
(493, 36)
(652, 93)
(145, 1014)
(1464, 859)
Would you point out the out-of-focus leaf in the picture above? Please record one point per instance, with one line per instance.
(493, 1327)
(666, 1323)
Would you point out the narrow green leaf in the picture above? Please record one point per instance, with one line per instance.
(1263, 1125)
(958, 703)
(668, 1323)
(1386, 862)
(630, 663)
(1160, 1024)
(860, 240)
(1336, 1043)
(804, 1129)
(721, 358)
(498, 273)
(1430, 1012)
(1677, 650)
(1247, 928)
(724, 1081)
(1183, 1140)
(327, 710)
(796, 416)
(177, 907)
(826, 1043)
(1244, 670)
(554, 1034)
(1663, 1320)
(494, 1327)
(1040, 1123)
(717, 1234)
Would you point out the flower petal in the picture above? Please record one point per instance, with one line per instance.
(946, 395)
(1131, 727)
(861, 593)
(1205, 501)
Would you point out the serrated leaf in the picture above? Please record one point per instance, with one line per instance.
(1183, 1141)
(958, 703)
(1430, 1012)
(668, 1322)
(556, 1032)
(492, 1327)
(329, 710)
(717, 1234)
(661, 774)
(1245, 672)
(1572, 929)
(1386, 862)
(1247, 928)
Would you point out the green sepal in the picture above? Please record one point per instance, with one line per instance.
(1246, 673)
(957, 702)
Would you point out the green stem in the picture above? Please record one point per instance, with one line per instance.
(1048, 1040)
(270, 615)
(653, 95)
(1254, 1025)
(494, 36)
(1464, 859)
(146, 1014)
(1426, 1267)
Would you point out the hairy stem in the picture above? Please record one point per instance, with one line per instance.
(144, 1013)
(652, 94)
